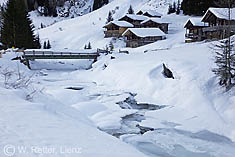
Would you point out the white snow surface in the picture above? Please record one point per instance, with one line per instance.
(145, 32)
(136, 17)
(50, 123)
(3, 2)
(121, 23)
(156, 20)
(198, 119)
(196, 21)
(222, 13)
(151, 12)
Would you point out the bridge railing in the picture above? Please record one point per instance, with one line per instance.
(50, 53)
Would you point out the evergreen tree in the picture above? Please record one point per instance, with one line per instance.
(225, 61)
(17, 28)
(110, 17)
(1, 14)
(85, 47)
(169, 9)
(174, 8)
(89, 46)
(130, 10)
(44, 45)
(30, 5)
(178, 8)
(47, 11)
(111, 46)
(48, 44)
(225, 53)
(42, 26)
(224, 3)
(41, 2)
(37, 43)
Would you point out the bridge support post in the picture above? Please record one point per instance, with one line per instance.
(27, 63)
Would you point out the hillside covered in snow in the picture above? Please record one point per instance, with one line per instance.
(121, 105)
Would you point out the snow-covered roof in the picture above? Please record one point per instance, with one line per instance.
(221, 13)
(156, 20)
(136, 17)
(152, 13)
(120, 24)
(145, 32)
(195, 22)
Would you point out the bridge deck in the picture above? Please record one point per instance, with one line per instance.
(40, 54)
(31, 55)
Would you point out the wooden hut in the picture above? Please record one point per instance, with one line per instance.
(116, 28)
(134, 19)
(136, 37)
(194, 30)
(219, 23)
(155, 23)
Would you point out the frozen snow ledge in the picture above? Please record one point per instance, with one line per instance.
(52, 129)
(178, 143)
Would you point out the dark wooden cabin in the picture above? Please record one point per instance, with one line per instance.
(194, 28)
(134, 19)
(136, 37)
(155, 23)
(116, 28)
(219, 23)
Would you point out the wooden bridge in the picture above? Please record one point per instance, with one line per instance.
(45, 54)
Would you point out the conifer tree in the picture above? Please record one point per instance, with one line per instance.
(174, 7)
(110, 17)
(169, 9)
(89, 46)
(44, 45)
(178, 8)
(111, 46)
(225, 61)
(17, 28)
(225, 53)
(37, 43)
(41, 2)
(48, 44)
(47, 11)
(130, 10)
(85, 47)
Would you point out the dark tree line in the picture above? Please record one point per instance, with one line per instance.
(17, 28)
(99, 3)
(196, 7)
(174, 8)
(199, 7)
(48, 6)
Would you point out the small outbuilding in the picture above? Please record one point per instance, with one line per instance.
(116, 28)
(136, 37)
(194, 30)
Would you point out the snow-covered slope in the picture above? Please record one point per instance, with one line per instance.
(192, 62)
(48, 127)
(79, 31)
(194, 116)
